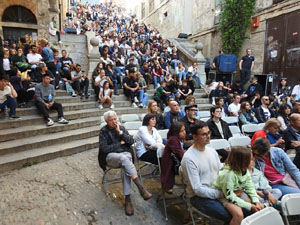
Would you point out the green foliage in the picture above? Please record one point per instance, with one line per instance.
(235, 19)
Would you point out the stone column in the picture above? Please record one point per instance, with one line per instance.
(200, 62)
(94, 56)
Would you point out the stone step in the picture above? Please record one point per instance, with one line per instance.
(34, 130)
(19, 160)
(70, 99)
(45, 140)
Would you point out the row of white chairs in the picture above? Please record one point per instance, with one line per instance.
(127, 118)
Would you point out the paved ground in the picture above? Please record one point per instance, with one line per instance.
(69, 191)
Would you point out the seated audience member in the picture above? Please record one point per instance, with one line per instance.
(115, 151)
(200, 168)
(66, 61)
(190, 100)
(19, 58)
(141, 92)
(148, 140)
(174, 145)
(42, 70)
(255, 100)
(113, 77)
(129, 66)
(219, 129)
(221, 91)
(184, 90)
(130, 87)
(211, 86)
(220, 102)
(283, 90)
(157, 75)
(283, 115)
(270, 132)
(267, 195)
(189, 119)
(292, 137)
(160, 95)
(173, 115)
(16, 79)
(296, 107)
(236, 88)
(253, 88)
(8, 97)
(153, 109)
(235, 106)
(191, 83)
(145, 70)
(169, 99)
(193, 71)
(275, 165)
(80, 81)
(45, 100)
(105, 96)
(180, 72)
(246, 116)
(34, 59)
(263, 113)
(296, 91)
(95, 74)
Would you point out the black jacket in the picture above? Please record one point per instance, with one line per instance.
(289, 134)
(187, 125)
(215, 134)
(260, 116)
(160, 123)
(110, 141)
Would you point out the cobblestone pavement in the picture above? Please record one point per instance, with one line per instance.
(69, 191)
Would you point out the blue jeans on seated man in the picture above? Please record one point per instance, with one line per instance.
(143, 97)
(181, 75)
(10, 103)
(157, 80)
(286, 189)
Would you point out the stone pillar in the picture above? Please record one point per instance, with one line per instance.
(94, 56)
(200, 62)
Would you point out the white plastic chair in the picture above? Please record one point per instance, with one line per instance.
(204, 114)
(291, 154)
(219, 144)
(129, 117)
(240, 141)
(261, 125)
(267, 216)
(235, 131)
(231, 120)
(163, 133)
(133, 125)
(204, 119)
(133, 133)
(143, 115)
(250, 128)
(290, 207)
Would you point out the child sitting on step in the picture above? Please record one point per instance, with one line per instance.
(105, 95)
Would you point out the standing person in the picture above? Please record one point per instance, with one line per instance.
(45, 100)
(53, 29)
(8, 97)
(200, 167)
(115, 151)
(246, 65)
(235, 177)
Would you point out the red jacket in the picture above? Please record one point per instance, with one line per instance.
(167, 176)
(258, 134)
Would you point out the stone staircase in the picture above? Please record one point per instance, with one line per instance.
(29, 141)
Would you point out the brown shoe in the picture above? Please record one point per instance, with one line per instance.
(128, 208)
(146, 195)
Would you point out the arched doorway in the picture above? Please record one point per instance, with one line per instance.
(17, 14)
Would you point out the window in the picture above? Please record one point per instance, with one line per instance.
(143, 10)
(18, 14)
(151, 5)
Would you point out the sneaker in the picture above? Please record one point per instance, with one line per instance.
(100, 107)
(50, 122)
(14, 117)
(140, 105)
(136, 100)
(74, 94)
(60, 42)
(116, 93)
(112, 106)
(134, 105)
(62, 121)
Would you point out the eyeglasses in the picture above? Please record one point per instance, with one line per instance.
(266, 99)
(218, 111)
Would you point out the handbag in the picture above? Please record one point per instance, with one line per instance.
(289, 181)
(176, 163)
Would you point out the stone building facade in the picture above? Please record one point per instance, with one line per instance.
(18, 18)
(274, 35)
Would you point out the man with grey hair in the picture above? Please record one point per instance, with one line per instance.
(115, 151)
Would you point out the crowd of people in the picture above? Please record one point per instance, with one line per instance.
(135, 56)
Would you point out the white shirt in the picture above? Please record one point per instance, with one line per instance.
(144, 138)
(266, 113)
(234, 108)
(34, 57)
(6, 92)
(296, 91)
(6, 64)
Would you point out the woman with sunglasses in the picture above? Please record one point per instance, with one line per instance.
(277, 167)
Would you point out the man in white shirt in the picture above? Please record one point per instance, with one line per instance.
(200, 167)
(34, 59)
(296, 91)
(234, 107)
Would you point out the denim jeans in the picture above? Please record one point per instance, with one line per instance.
(181, 75)
(174, 63)
(143, 97)
(156, 80)
(120, 70)
(10, 103)
(286, 189)
(211, 207)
